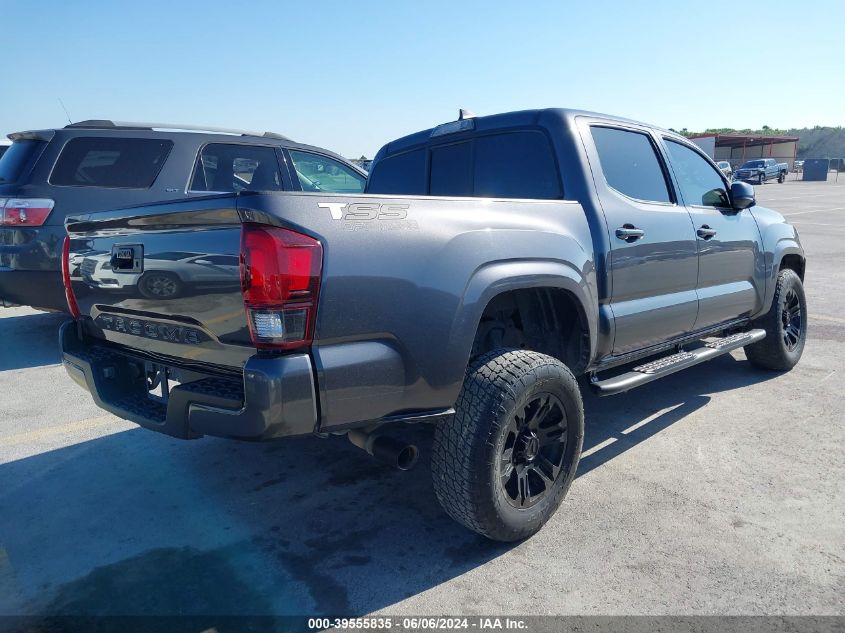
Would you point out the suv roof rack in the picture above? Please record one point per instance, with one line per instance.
(123, 125)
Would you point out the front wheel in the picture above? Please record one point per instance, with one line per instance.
(785, 324)
(503, 463)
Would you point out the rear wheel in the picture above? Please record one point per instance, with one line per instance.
(782, 177)
(503, 463)
(761, 178)
(785, 324)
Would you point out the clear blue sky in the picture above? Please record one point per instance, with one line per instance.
(352, 75)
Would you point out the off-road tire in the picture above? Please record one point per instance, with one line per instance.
(773, 352)
(466, 457)
(781, 177)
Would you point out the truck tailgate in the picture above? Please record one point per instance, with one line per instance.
(163, 280)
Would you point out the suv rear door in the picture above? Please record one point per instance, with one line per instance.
(653, 265)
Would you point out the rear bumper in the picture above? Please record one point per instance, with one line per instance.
(39, 289)
(275, 398)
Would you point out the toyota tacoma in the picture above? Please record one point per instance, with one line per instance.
(490, 262)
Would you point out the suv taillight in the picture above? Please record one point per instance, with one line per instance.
(25, 211)
(71, 298)
(280, 278)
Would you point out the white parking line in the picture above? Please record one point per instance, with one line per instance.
(789, 215)
(824, 317)
(650, 418)
(598, 447)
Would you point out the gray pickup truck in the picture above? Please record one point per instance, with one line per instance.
(761, 170)
(490, 262)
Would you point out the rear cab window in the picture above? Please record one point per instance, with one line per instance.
(400, 174)
(451, 170)
(508, 164)
(17, 158)
(110, 162)
(229, 168)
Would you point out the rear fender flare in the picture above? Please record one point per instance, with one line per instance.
(496, 278)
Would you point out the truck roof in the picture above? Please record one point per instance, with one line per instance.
(520, 118)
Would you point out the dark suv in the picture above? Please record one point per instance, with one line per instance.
(47, 175)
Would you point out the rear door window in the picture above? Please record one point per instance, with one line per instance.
(110, 162)
(316, 172)
(229, 168)
(16, 158)
(630, 164)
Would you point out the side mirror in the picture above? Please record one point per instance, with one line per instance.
(742, 195)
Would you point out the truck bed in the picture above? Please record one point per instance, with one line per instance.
(404, 281)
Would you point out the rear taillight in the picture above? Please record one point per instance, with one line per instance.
(25, 211)
(280, 278)
(71, 298)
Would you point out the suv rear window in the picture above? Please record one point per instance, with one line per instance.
(121, 163)
(15, 159)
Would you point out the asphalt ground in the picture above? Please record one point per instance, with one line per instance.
(718, 490)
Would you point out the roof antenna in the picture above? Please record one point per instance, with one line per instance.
(61, 103)
(465, 114)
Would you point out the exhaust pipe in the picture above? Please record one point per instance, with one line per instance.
(385, 449)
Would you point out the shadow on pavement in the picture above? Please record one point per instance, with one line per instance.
(30, 340)
(139, 523)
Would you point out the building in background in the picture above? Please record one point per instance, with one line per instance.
(738, 148)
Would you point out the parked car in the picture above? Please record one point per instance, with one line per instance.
(725, 167)
(490, 262)
(761, 170)
(93, 165)
(166, 275)
(4, 145)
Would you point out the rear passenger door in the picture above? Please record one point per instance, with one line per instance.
(653, 259)
(730, 280)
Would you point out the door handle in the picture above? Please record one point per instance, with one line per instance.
(705, 232)
(629, 233)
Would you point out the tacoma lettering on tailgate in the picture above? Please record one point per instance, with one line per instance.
(151, 329)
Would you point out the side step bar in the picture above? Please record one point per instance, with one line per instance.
(676, 362)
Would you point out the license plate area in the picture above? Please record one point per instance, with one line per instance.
(160, 380)
(127, 258)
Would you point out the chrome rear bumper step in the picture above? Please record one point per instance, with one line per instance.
(667, 365)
